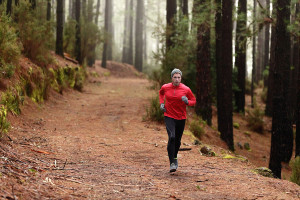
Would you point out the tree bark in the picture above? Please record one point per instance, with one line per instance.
(225, 80)
(184, 7)
(269, 103)
(240, 51)
(203, 107)
(59, 28)
(267, 43)
(282, 132)
(78, 35)
(126, 33)
(97, 12)
(107, 49)
(294, 68)
(139, 36)
(171, 18)
(297, 115)
(130, 51)
(8, 7)
(253, 57)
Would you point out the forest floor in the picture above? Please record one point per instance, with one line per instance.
(95, 145)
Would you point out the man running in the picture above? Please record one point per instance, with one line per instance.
(177, 96)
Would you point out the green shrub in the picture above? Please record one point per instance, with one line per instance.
(10, 48)
(12, 99)
(296, 171)
(4, 124)
(35, 32)
(153, 112)
(248, 87)
(196, 128)
(255, 120)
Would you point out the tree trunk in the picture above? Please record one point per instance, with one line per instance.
(130, 51)
(139, 36)
(253, 57)
(16, 2)
(73, 9)
(126, 33)
(267, 43)
(203, 106)
(269, 103)
(59, 28)
(0, 2)
(110, 30)
(171, 18)
(107, 49)
(97, 12)
(297, 153)
(78, 35)
(184, 7)
(8, 7)
(225, 80)
(240, 51)
(282, 132)
(48, 10)
(294, 68)
(145, 56)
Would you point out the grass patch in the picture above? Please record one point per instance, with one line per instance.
(197, 129)
(153, 112)
(255, 120)
(295, 177)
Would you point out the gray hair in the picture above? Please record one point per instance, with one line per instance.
(176, 71)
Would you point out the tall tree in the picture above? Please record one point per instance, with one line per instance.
(297, 115)
(269, 103)
(97, 12)
(48, 10)
(253, 56)
(171, 17)
(139, 36)
(130, 51)
(225, 124)
(16, 2)
(8, 7)
(282, 132)
(107, 49)
(203, 107)
(267, 43)
(240, 50)
(126, 33)
(145, 56)
(184, 7)
(77, 34)
(295, 64)
(59, 28)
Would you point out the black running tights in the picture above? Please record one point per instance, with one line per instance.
(175, 130)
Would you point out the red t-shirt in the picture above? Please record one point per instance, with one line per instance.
(175, 107)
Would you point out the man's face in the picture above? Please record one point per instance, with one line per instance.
(176, 79)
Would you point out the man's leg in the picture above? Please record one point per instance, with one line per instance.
(170, 126)
(179, 128)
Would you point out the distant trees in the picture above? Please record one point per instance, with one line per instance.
(48, 10)
(8, 7)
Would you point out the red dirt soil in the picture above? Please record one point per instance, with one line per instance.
(95, 145)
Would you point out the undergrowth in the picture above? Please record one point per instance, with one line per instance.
(296, 171)
(153, 112)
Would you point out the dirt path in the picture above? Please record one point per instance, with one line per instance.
(101, 149)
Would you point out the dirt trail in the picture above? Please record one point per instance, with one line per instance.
(101, 149)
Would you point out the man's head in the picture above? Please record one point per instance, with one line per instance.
(176, 76)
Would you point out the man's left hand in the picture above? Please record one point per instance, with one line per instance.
(185, 100)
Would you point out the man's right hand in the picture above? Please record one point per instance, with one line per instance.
(162, 107)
